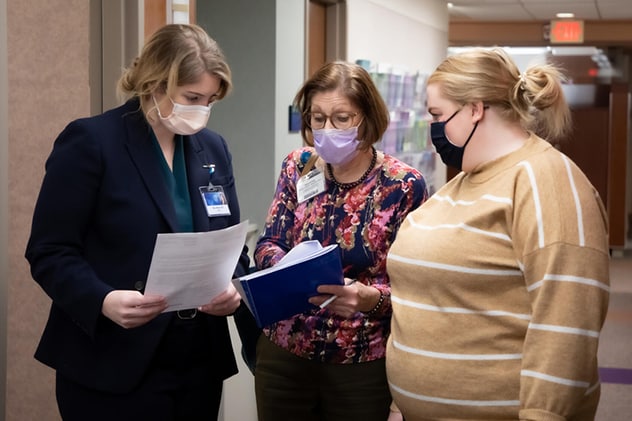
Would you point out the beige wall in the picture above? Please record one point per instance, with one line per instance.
(4, 207)
(48, 69)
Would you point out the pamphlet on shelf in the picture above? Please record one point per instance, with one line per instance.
(281, 291)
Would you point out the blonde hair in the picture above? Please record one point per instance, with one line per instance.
(534, 98)
(357, 86)
(175, 55)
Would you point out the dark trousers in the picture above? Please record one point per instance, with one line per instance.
(179, 385)
(290, 388)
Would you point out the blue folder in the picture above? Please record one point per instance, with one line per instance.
(281, 291)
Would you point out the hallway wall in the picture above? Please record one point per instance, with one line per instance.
(409, 33)
(252, 36)
(4, 202)
(48, 76)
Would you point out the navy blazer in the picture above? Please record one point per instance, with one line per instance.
(102, 203)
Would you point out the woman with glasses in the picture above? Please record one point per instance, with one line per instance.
(500, 280)
(328, 363)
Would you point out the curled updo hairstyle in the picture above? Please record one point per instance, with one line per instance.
(355, 83)
(534, 98)
(175, 55)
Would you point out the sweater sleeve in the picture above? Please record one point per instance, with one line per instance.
(560, 238)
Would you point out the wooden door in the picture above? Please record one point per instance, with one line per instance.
(316, 36)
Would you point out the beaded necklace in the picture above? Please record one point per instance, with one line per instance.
(359, 180)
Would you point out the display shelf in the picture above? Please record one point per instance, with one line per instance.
(407, 136)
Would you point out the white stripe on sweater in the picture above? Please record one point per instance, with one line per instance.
(458, 310)
(462, 226)
(592, 388)
(578, 206)
(554, 379)
(463, 357)
(568, 278)
(446, 401)
(454, 268)
(564, 329)
(536, 202)
(489, 197)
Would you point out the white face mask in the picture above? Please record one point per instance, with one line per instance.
(185, 119)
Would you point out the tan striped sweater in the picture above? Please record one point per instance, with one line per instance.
(500, 286)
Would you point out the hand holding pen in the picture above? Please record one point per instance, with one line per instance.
(333, 297)
(347, 299)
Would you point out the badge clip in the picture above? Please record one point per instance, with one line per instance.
(211, 170)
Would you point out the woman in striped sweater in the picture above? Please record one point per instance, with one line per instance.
(500, 281)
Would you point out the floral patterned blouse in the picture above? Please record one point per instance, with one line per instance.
(363, 221)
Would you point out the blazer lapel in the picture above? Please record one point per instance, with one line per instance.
(197, 176)
(141, 149)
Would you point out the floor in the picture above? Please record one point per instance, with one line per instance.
(615, 352)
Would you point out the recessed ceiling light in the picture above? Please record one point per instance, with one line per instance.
(450, 5)
(563, 15)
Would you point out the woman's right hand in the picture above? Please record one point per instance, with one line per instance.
(130, 309)
(395, 416)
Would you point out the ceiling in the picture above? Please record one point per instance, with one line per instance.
(538, 10)
(584, 58)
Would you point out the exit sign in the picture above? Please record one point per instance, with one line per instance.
(567, 31)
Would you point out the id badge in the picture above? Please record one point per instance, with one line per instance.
(310, 185)
(215, 201)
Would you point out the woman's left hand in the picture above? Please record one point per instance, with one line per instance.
(224, 304)
(350, 298)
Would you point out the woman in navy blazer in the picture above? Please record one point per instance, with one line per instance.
(112, 183)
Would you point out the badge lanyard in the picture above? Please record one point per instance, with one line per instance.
(213, 196)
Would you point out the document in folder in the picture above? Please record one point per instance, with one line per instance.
(281, 291)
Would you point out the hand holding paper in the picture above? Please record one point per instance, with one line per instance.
(130, 309)
(192, 268)
(224, 304)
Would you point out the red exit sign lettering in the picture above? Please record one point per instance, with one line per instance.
(567, 31)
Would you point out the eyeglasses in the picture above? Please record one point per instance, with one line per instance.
(340, 120)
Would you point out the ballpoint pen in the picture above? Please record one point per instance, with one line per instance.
(333, 297)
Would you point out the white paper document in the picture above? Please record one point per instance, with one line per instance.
(302, 251)
(192, 268)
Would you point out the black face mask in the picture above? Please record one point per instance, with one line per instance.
(450, 154)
